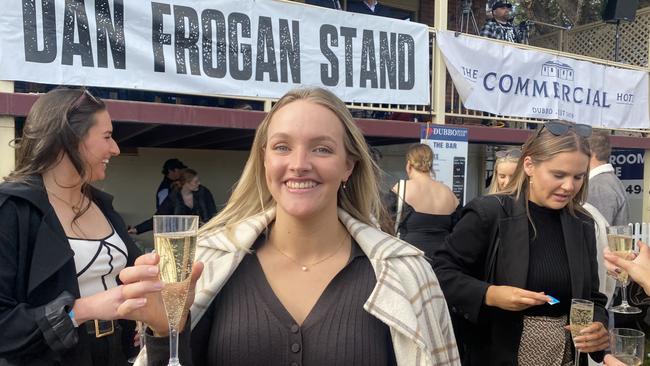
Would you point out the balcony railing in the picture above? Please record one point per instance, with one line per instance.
(597, 40)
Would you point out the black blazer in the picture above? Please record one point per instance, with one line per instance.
(37, 271)
(460, 266)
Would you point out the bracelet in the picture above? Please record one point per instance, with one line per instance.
(74, 322)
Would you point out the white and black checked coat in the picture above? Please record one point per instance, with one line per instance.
(407, 296)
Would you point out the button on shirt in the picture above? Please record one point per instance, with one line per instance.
(247, 324)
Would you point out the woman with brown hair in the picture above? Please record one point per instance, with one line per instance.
(62, 244)
(296, 271)
(425, 209)
(509, 251)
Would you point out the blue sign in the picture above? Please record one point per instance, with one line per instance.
(628, 163)
(444, 133)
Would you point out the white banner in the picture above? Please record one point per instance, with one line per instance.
(506, 80)
(260, 48)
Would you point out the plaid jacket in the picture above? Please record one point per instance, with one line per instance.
(492, 29)
(407, 296)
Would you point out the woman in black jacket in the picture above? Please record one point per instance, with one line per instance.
(508, 252)
(187, 197)
(62, 245)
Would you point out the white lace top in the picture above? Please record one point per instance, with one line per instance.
(98, 262)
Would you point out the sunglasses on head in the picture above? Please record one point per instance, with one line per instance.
(558, 128)
(85, 94)
(503, 154)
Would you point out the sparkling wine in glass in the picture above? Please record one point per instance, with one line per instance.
(581, 316)
(621, 244)
(175, 243)
(627, 345)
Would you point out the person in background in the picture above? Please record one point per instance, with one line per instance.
(62, 244)
(509, 251)
(296, 272)
(504, 168)
(187, 197)
(369, 7)
(607, 284)
(332, 4)
(606, 191)
(428, 207)
(501, 27)
(638, 270)
(171, 170)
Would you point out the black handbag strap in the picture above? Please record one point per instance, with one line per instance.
(493, 250)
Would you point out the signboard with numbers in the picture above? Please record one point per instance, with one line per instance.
(628, 166)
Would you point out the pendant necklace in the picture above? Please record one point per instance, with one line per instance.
(74, 208)
(305, 267)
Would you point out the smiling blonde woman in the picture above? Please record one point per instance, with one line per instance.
(296, 272)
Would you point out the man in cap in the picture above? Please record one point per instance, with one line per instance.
(501, 26)
(172, 171)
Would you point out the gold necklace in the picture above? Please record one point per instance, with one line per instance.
(74, 208)
(305, 267)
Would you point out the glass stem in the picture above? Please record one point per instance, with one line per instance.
(576, 361)
(173, 347)
(624, 295)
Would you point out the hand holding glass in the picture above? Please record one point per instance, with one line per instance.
(627, 345)
(175, 243)
(581, 316)
(621, 244)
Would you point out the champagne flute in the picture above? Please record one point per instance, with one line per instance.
(581, 316)
(627, 345)
(621, 243)
(175, 243)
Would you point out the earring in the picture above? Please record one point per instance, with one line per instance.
(345, 184)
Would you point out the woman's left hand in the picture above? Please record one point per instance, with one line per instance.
(592, 339)
(612, 361)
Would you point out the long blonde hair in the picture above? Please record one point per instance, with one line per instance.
(360, 198)
(508, 158)
(544, 146)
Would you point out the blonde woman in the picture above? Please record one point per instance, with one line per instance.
(510, 251)
(425, 208)
(504, 168)
(295, 270)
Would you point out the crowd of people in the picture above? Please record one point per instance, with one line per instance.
(309, 262)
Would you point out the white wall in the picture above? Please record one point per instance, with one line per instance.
(133, 179)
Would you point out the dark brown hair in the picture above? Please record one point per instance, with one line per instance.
(600, 146)
(57, 123)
